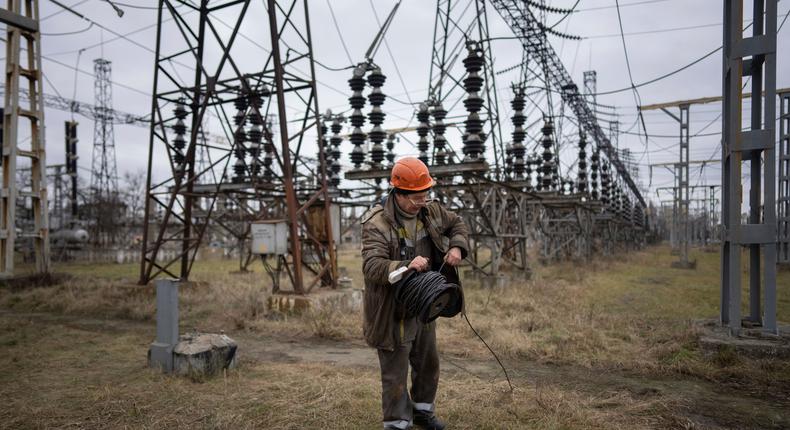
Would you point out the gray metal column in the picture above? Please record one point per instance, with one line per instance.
(784, 179)
(683, 184)
(682, 193)
(753, 57)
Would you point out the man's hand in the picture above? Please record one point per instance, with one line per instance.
(453, 256)
(419, 264)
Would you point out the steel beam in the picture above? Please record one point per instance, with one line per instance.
(783, 203)
(753, 57)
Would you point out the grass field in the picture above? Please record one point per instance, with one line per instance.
(610, 343)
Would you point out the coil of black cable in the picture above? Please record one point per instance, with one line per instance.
(428, 296)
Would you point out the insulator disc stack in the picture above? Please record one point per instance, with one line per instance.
(439, 141)
(547, 169)
(595, 160)
(538, 163)
(509, 160)
(605, 183)
(474, 137)
(268, 152)
(519, 150)
(255, 133)
(528, 174)
(423, 128)
(555, 172)
(357, 118)
(239, 138)
(377, 134)
(324, 140)
(180, 129)
(334, 153)
(391, 149)
(581, 177)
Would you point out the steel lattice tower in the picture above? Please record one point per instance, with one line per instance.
(104, 171)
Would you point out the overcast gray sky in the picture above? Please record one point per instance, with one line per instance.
(661, 35)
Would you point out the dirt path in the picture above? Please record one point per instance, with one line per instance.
(708, 404)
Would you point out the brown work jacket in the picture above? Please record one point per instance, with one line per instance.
(381, 253)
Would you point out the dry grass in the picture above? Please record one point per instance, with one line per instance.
(629, 314)
(105, 385)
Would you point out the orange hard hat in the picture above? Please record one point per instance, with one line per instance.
(411, 174)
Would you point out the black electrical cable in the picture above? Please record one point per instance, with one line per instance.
(428, 296)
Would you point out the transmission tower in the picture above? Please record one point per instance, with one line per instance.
(104, 172)
(270, 173)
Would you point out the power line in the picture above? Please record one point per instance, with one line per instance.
(664, 76)
(637, 97)
(392, 57)
(337, 28)
(636, 3)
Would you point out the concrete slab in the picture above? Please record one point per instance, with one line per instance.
(346, 299)
(752, 341)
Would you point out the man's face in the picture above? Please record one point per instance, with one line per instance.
(412, 203)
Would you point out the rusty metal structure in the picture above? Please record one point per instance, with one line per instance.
(23, 33)
(513, 193)
(255, 174)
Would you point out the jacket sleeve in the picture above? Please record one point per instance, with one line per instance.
(376, 264)
(456, 229)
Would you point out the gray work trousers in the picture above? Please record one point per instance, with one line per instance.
(418, 349)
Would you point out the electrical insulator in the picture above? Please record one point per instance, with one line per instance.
(518, 118)
(357, 119)
(423, 127)
(581, 181)
(547, 169)
(377, 134)
(473, 137)
(439, 127)
(594, 166)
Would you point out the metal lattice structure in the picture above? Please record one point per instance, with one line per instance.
(754, 57)
(533, 37)
(783, 202)
(23, 33)
(518, 202)
(104, 203)
(252, 171)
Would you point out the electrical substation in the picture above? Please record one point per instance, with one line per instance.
(615, 174)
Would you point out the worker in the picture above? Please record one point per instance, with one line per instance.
(407, 229)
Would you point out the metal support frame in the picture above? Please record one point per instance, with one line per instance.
(783, 202)
(105, 205)
(22, 25)
(454, 25)
(532, 36)
(753, 58)
(682, 191)
(188, 201)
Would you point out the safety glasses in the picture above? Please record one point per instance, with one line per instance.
(418, 200)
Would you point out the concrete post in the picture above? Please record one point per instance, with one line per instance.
(161, 351)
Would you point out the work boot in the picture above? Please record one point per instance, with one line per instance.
(428, 421)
